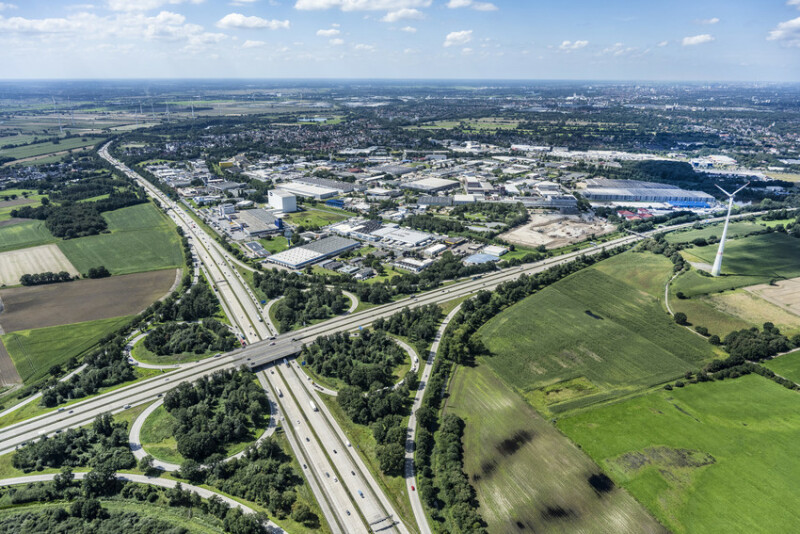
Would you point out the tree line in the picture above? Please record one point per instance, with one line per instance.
(45, 278)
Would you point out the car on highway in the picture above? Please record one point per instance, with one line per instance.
(334, 451)
(347, 512)
(413, 488)
(361, 494)
(327, 474)
(353, 473)
(307, 439)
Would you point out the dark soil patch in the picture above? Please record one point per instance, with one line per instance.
(664, 456)
(84, 300)
(16, 202)
(554, 513)
(509, 446)
(12, 221)
(601, 483)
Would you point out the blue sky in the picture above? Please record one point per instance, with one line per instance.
(747, 40)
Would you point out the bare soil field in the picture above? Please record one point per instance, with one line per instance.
(11, 221)
(554, 231)
(32, 260)
(83, 300)
(785, 293)
(8, 373)
(15, 202)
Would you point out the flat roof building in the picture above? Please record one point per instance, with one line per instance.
(305, 190)
(282, 200)
(299, 257)
(431, 185)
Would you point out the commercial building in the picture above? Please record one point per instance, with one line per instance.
(282, 200)
(494, 250)
(412, 264)
(478, 259)
(305, 190)
(403, 237)
(299, 257)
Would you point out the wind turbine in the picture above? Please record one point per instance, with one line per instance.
(718, 260)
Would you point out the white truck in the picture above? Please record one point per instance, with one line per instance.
(313, 406)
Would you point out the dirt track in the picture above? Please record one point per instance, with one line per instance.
(82, 300)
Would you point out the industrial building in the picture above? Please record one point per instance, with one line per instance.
(403, 237)
(431, 185)
(301, 189)
(412, 264)
(299, 257)
(282, 200)
(258, 222)
(621, 191)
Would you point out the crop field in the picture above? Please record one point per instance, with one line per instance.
(7, 206)
(26, 233)
(748, 307)
(28, 308)
(688, 454)
(141, 239)
(40, 149)
(528, 476)
(8, 373)
(735, 229)
(44, 258)
(783, 293)
(35, 351)
(788, 365)
(597, 334)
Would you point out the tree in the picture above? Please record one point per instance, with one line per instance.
(302, 513)
(681, 318)
(391, 458)
(63, 479)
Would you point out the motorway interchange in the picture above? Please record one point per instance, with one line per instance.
(348, 494)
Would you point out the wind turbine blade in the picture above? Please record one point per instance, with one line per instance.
(745, 185)
(718, 187)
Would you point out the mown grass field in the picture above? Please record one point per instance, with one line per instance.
(710, 457)
(735, 229)
(28, 233)
(140, 239)
(597, 334)
(34, 352)
(528, 476)
(40, 149)
(788, 366)
(274, 245)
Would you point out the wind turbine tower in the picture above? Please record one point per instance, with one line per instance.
(715, 270)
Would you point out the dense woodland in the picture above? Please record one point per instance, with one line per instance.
(300, 307)
(199, 338)
(223, 408)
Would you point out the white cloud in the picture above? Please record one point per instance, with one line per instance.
(401, 14)
(788, 32)
(364, 47)
(697, 39)
(4, 6)
(360, 5)
(244, 3)
(472, 4)
(466, 51)
(253, 44)
(237, 21)
(328, 33)
(618, 49)
(408, 29)
(145, 5)
(793, 3)
(336, 42)
(458, 38)
(572, 45)
(712, 20)
(662, 44)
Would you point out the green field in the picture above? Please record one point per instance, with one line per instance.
(312, 217)
(29, 233)
(597, 334)
(524, 469)
(5, 210)
(140, 239)
(34, 352)
(735, 229)
(40, 149)
(748, 261)
(788, 365)
(710, 457)
(274, 245)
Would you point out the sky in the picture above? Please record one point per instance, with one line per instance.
(692, 40)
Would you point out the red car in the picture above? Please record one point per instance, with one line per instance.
(413, 488)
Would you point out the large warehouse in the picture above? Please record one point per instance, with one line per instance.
(604, 190)
(299, 257)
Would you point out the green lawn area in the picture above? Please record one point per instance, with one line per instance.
(710, 457)
(28, 233)
(140, 239)
(522, 468)
(597, 334)
(34, 352)
(32, 200)
(735, 229)
(140, 353)
(274, 245)
(788, 365)
(312, 217)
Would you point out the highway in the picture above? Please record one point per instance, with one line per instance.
(263, 349)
